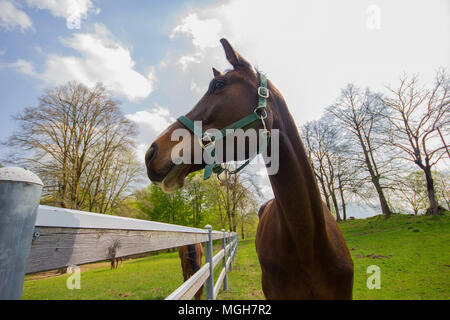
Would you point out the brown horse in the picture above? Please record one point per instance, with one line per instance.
(299, 245)
(115, 262)
(191, 260)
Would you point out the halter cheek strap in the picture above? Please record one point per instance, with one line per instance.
(207, 141)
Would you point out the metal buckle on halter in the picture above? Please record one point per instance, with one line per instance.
(208, 143)
(263, 92)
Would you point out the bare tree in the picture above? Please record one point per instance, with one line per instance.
(346, 175)
(311, 135)
(360, 114)
(80, 144)
(331, 162)
(321, 145)
(419, 122)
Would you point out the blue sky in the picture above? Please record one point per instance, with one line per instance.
(140, 26)
(156, 56)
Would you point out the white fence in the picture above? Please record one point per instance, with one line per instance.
(62, 237)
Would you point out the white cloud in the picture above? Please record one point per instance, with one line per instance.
(311, 49)
(74, 11)
(150, 124)
(204, 32)
(186, 60)
(23, 66)
(12, 17)
(103, 59)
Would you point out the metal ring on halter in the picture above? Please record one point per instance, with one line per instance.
(261, 116)
(211, 141)
(265, 132)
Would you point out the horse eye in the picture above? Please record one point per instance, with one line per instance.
(218, 85)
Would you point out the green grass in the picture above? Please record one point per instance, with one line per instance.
(412, 253)
(153, 277)
(244, 282)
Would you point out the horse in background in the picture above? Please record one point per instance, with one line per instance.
(115, 263)
(191, 260)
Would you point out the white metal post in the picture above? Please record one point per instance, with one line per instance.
(231, 250)
(20, 192)
(235, 245)
(224, 260)
(209, 259)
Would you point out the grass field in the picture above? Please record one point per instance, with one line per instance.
(412, 254)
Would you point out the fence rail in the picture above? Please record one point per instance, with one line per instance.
(69, 237)
(43, 238)
(188, 289)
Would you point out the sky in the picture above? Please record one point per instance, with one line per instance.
(156, 56)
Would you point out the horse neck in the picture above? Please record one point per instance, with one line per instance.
(294, 186)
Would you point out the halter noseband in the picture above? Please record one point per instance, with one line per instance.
(207, 141)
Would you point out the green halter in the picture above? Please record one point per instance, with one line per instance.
(207, 141)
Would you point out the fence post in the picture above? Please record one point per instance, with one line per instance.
(209, 259)
(235, 245)
(232, 247)
(20, 192)
(231, 250)
(224, 260)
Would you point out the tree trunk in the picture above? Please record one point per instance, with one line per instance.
(375, 177)
(434, 205)
(335, 204)
(376, 182)
(344, 210)
(383, 202)
(325, 193)
(341, 193)
(333, 198)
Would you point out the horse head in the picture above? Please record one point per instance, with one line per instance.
(230, 97)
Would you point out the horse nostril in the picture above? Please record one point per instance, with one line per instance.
(151, 154)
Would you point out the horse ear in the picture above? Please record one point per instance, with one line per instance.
(216, 72)
(233, 56)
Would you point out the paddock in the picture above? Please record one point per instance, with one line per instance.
(38, 238)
